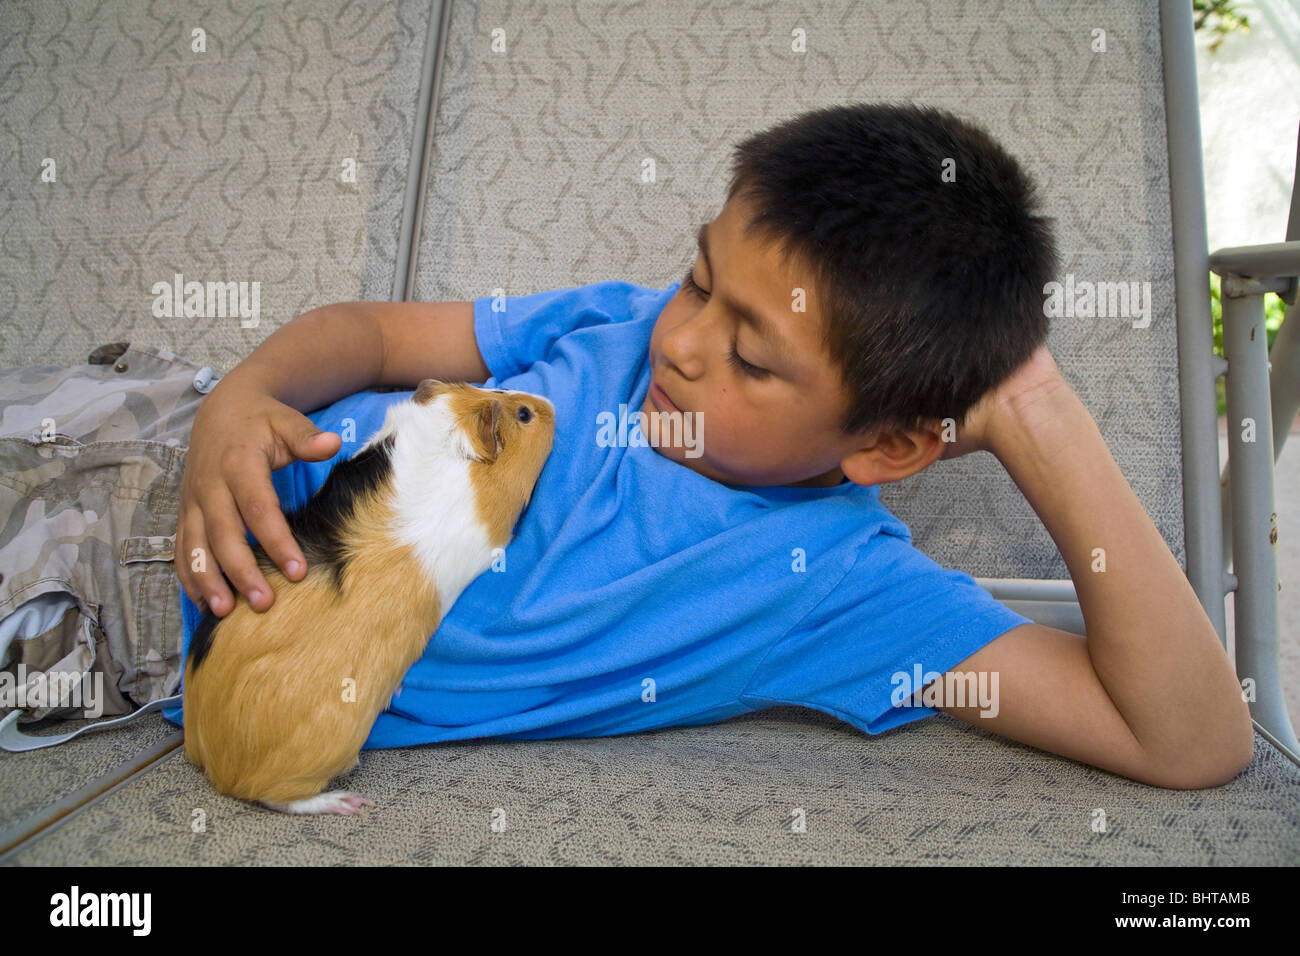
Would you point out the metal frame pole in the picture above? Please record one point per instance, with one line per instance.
(1198, 366)
(1254, 520)
(426, 112)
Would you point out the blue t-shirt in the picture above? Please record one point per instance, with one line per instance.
(640, 594)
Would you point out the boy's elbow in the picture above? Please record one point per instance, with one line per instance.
(1243, 754)
(1218, 774)
(1212, 761)
(1239, 749)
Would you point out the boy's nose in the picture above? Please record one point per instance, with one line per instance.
(684, 347)
(678, 361)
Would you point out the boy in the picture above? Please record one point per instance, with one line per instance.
(847, 300)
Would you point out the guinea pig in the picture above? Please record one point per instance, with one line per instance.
(277, 704)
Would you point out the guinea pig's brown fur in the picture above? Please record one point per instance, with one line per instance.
(277, 704)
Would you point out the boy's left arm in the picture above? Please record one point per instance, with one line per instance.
(1150, 692)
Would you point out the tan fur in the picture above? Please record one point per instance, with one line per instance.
(272, 695)
(498, 489)
(266, 715)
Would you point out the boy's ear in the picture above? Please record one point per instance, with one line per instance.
(886, 455)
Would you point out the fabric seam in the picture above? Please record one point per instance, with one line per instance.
(492, 323)
(786, 633)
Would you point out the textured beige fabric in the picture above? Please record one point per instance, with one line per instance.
(221, 166)
(937, 791)
(34, 783)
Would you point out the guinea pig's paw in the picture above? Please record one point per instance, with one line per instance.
(340, 802)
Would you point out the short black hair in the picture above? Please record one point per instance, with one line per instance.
(931, 290)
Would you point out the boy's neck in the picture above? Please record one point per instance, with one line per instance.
(831, 478)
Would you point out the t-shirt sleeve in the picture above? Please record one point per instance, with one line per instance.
(895, 619)
(513, 332)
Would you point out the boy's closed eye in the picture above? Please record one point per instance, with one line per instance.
(737, 362)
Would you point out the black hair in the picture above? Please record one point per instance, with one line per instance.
(931, 291)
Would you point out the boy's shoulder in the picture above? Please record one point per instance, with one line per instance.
(617, 298)
(513, 332)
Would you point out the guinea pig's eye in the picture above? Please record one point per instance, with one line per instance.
(525, 414)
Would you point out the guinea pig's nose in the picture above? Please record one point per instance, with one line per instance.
(525, 414)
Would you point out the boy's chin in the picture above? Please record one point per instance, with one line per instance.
(709, 470)
(696, 464)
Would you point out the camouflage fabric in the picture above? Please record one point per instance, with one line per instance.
(91, 459)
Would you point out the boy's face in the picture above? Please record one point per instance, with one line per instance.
(771, 417)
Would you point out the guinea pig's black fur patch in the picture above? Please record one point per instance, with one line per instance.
(201, 640)
(318, 526)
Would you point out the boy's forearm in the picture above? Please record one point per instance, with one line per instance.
(1152, 645)
(316, 358)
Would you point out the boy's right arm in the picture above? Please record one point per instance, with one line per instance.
(251, 424)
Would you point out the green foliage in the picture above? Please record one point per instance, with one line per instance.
(1274, 309)
(1218, 18)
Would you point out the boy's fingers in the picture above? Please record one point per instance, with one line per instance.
(188, 585)
(297, 437)
(205, 587)
(307, 443)
(233, 555)
(260, 507)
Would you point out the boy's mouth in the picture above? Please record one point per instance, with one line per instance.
(661, 399)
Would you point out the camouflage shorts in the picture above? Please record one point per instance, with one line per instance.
(91, 459)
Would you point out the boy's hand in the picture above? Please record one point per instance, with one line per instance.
(240, 435)
(1004, 407)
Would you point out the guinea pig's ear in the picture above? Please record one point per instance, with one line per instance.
(486, 431)
(426, 390)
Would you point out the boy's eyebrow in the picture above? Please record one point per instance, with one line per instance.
(763, 326)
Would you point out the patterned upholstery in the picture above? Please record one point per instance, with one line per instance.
(936, 792)
(222, 166)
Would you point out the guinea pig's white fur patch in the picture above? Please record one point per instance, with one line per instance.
(434, 502)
